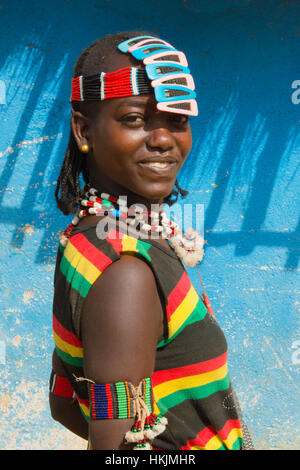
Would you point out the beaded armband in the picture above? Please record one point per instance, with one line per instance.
(122, 400)
(60, 386)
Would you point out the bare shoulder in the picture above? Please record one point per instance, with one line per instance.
(129, 269)
(121, 321)
(128, 280)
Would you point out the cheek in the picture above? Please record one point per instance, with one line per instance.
(128, 142)
(114, 146)
(185, 142)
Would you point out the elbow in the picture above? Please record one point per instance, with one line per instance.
(55, 409)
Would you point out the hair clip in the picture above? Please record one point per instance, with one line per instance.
(147, 51)
(167, 56)
(125, 45)
(187, 107)
(180, 79)
(167, 70)
(160, 69)
(149, 42)
(173, 92)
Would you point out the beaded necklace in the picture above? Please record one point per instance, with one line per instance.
(188, 248)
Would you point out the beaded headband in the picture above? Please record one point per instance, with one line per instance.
(128, 81)
(166, 73)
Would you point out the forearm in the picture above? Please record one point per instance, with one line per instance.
(67, 412)
(109, 434)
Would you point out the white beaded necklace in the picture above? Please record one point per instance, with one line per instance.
(188, 248)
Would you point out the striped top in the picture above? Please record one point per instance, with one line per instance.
(191, 385)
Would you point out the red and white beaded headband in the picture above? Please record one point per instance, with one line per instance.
(128, 81)
(166, 73)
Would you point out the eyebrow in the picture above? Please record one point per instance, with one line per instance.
(136, 103)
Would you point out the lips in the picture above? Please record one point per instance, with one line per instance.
(159, 165)
(167, 159)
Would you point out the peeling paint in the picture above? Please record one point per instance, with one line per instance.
(28, 295)
(25, 143)
(280, 363)
(16, 341)
(5, 400)
(28, 229)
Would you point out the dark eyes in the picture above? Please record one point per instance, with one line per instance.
(179, 118)
(137, 120)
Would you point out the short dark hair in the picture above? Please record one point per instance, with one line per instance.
(91, 61)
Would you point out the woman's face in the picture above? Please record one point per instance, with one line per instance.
(137, 146)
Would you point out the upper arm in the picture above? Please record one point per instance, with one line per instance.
(121, 323)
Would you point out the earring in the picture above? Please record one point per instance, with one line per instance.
(85, 148)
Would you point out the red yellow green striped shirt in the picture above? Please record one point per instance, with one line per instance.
(191, 384)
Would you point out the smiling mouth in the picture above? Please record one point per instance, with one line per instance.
(159, 167)
(157, 164)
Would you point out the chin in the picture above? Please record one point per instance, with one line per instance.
(157, 193)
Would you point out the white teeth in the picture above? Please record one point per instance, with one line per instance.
(158, 164)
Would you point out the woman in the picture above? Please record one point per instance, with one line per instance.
(139, 361)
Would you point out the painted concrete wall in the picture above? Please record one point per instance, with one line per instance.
(244, 168)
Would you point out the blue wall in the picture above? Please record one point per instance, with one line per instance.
(243, 167)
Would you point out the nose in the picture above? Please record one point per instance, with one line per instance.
(161, 139)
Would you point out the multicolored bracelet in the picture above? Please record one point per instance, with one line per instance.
(122, 400)
(116, 401)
